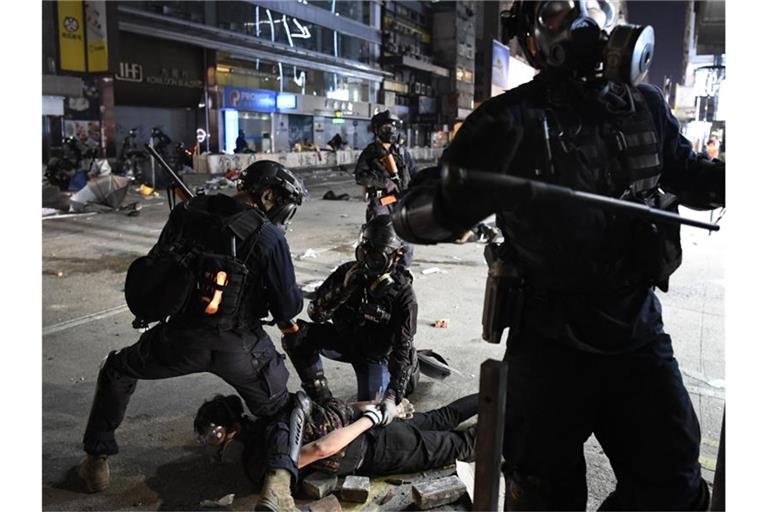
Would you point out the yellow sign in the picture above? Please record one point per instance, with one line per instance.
(96, 30)
(71, 35)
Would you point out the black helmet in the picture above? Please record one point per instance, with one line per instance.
(385, 125)
(378, 245)
(581, 37)
(289, 190)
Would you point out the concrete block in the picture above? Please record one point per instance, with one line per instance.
(327, 504)
(356, 488)
(319, 484)
(431, 494)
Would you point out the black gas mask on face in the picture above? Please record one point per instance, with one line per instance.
(387, 134)
(377, 253)
(582, 38)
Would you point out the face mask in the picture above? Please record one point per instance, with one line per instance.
(373, 262)
(387, 134)
(582, 35)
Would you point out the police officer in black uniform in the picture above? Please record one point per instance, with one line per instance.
(384, 167)
(364, 313)
(587, 352)
(239, 270)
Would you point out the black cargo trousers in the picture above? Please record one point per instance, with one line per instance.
(426, 441)
(636, 405)
(250, 364)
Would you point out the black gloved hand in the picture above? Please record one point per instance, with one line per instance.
(292, 341)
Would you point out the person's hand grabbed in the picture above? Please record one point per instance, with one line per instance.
(374, 414)
(405, 409)
(388, 408)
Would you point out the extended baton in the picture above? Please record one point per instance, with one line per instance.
(502, 187)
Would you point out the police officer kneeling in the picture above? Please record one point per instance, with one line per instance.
(374, 312)
(587, 351)
(220, 265)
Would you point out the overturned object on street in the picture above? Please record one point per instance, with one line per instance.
(109, 190)
(433, 365)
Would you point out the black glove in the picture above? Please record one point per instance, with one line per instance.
(292, 341)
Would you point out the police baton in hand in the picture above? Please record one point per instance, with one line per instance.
(180, 189)
(501, 190)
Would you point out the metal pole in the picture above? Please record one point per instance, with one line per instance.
(490, 422)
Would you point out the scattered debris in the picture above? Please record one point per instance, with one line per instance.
(327, 504)
(109, 190)
(309, 253)
(146, 190)
(331, 196)
(224, 501)
(60, 274)
(433, 493)
(386, 497)
(311, 287)
(432, 270)
(456, 258)
(318, 484)
(50, 211)
(344, 215)
(440, 324)
(356, 489)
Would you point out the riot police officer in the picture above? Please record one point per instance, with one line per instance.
(230, 261)
(586, 350)
(364, 313)
(384, 167)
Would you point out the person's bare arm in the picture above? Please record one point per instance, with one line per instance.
(332, 443)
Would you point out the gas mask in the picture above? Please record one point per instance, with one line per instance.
(581, 37)
(387, 134)
(375, 264)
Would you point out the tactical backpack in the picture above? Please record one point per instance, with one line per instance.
(200, 274)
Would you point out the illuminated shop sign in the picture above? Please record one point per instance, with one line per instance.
(250, 100)
(286, 101)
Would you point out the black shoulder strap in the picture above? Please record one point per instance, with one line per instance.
(245, 227)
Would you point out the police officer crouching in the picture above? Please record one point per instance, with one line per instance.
(364, 313)
(220, 266)
(587, 351)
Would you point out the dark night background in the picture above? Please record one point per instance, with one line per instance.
(668, 21)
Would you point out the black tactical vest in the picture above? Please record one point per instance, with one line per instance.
(222, 236)
(604, 150)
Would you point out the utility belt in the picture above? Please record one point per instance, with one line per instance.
(504, 295)
(380, 196)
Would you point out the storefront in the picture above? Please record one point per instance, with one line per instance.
(159, 83)
(275, 122)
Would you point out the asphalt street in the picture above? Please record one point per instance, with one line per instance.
(160, 466)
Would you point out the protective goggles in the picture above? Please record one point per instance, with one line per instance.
(557, 16)
(214, 435)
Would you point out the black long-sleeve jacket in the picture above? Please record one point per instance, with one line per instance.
(548, 240)
(342, 299)
(371, 173)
